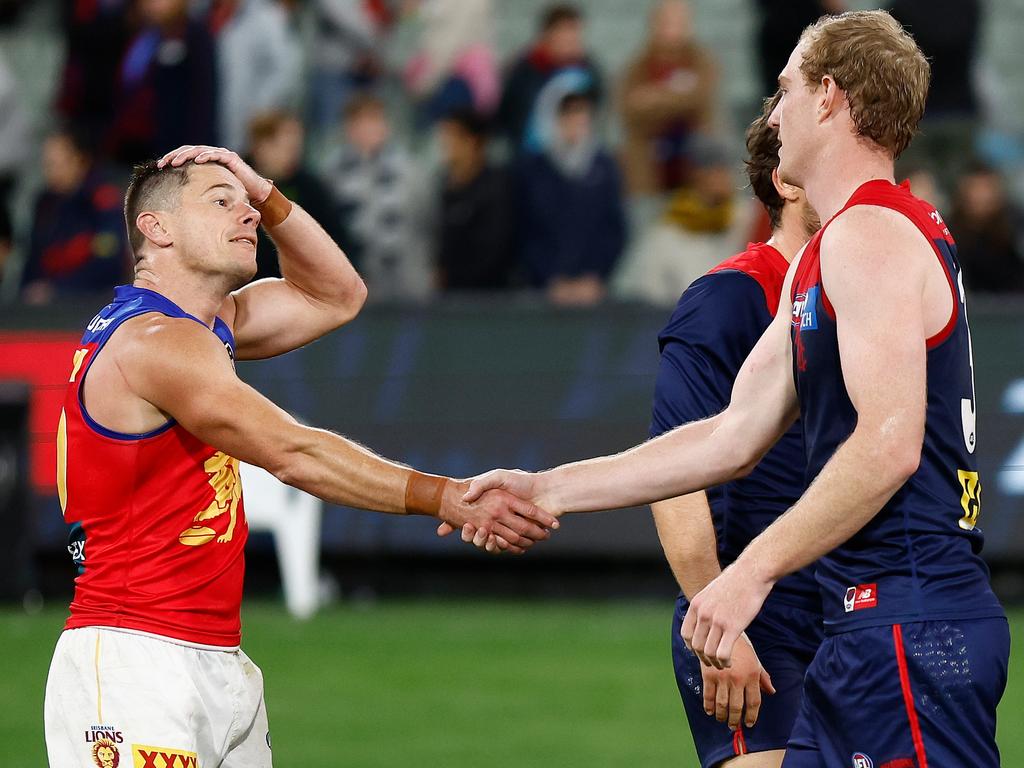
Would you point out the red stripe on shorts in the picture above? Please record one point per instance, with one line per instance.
(739, 744)
(908, 697)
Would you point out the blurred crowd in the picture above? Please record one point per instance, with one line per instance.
(448, 169)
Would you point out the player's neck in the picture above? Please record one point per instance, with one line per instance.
(191, 295)
(789, 237)
(834, 180)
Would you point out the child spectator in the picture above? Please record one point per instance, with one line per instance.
(77, 244)
(475, 236)
(276, 139)
(559, 47)
(379, 191)
(572, 224)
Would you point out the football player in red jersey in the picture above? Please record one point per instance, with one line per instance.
(154, 425)
(871, 348)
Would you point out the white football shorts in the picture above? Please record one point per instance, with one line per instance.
(117, 699)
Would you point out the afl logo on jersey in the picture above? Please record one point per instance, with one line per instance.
(860, 760)
(805, 310)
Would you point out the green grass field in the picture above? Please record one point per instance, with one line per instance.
(446, 684)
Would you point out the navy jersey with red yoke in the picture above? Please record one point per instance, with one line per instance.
(716, 324)
(918, 558)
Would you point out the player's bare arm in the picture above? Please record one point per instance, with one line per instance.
(882, 327)
(319, 290)
(687, 535)
(687, 459)
(175, 368)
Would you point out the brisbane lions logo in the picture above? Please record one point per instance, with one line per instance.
(105, 754)
(227, 487)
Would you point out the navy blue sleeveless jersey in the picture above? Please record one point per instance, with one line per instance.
(918, 558)
(716, 324)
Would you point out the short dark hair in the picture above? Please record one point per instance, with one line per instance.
(575, 100)
(151, 187)
(470, 122)
(763, 158)
(559, 14)
(364, 101)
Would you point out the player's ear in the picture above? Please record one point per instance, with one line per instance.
(787, 192)
(830, 98)
(153, 228)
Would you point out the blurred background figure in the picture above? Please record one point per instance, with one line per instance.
(259, 63)
(77, 243)
(455, 66)
(95, 36)
(699, 224)
(572, 224)
(947, 31)
(14, 137)
(379, 190)
(667, 96)
(167, 85)
(988, 232)
(276, 141)
(779, 24)
(346, 57)
(559, 47)
(475, 242)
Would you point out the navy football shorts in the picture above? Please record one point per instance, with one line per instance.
(904, 696)
(785, 639)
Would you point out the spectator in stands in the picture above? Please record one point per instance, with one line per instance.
(699, 224)
(947, 32)
(475, 238)
(572, 223)
(382, 205)
(14, 135)
(558, 49)
(77, 244)
(987, 230)
(668, 95)
(276, 140)
(345, 57)
(455, 67)
(779, 26)
(259, 62)
(167, 92)
(95, 36)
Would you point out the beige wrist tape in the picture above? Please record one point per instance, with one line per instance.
(274, 209)
(423, 494)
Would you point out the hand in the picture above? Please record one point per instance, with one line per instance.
(500, 520)
(727, 692)
(256, 187)
(720, 612)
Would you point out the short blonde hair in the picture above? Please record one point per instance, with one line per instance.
(880, 67)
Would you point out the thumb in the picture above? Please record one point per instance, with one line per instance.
(766, 682)
(444, 529)
(478, 485)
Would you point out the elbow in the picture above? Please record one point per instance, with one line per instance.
(903, 461)
(354, 300)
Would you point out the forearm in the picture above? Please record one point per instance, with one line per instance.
(690, 458)
(854, 485)
(313, 263)
(341, 471)
(687, 535)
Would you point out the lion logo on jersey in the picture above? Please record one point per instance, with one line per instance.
(105, 754)
(227, 492)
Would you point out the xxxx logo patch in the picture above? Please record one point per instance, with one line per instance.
(162, 757)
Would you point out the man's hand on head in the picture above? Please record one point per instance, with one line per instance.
(256, 187)
(501, 521)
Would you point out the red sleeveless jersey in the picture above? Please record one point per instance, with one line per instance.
(157, 521)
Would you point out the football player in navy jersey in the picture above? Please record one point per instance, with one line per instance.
(715, 326)
(871, 349)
